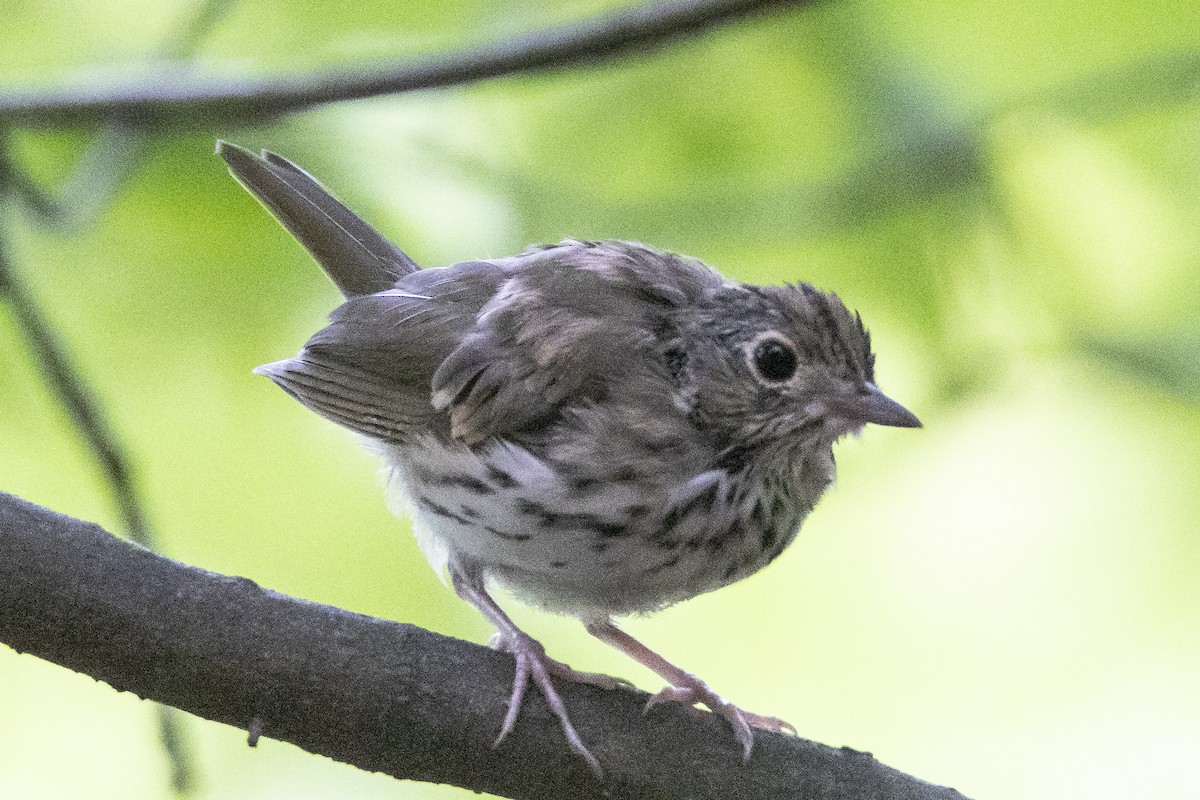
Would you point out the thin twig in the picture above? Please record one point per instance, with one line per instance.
(111, 157)
(1145, 85)
(190, 36)
(84, 408)
(193, 99)
(15, 182)
(115, 152)
(73, 394)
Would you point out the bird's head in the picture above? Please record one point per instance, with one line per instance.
(787, 367)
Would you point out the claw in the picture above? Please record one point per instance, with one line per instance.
(520, 683)
(532, 662)
(692, 691)
(686, 688)
(773, 724)
(695, 692)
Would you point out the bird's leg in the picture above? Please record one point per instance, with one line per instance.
(532, 662)
(500, 641)
(686, 687)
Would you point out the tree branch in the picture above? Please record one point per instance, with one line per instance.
(15, 182)
(109, 159)
(187, 98)
(76, 397)
(380, 695)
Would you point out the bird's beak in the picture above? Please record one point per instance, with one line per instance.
(870, 405)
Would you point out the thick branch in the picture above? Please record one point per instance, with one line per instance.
(186, 97)
(380, 695)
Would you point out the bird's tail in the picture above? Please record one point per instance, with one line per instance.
(354, 255)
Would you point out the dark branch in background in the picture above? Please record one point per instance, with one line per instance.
(192, 99)
(109, 160)
(15, 182)
(380, 695)
(117, 149)
(106, 164)
(119, 145)
(74, 395)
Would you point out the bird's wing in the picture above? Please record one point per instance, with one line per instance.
(354, 255)
(574, 325)
(371, 368)
(497, 348)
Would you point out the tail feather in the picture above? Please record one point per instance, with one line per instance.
(356, 257)
(351, 397)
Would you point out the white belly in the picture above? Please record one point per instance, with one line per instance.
(600, 549)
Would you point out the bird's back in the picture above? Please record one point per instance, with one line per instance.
(506, 349)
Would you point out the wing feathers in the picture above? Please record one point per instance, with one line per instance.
(498, 349)
(483, 395)
(348, 396)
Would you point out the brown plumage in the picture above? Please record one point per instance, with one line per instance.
(603, 427)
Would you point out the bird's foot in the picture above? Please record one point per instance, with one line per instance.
(532, 662)
(691, 691)
(558, 669)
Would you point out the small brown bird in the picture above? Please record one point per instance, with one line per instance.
(601, 427)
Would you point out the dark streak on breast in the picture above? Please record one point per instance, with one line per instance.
(670, 562)
(703, 501)
(441, 511)
(514, 537)
(468, 482)
(501, 478)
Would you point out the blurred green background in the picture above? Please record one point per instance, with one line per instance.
(1007, 602)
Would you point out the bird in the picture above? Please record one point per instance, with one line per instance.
(602, 428)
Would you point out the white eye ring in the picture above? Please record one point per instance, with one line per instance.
(772, 358)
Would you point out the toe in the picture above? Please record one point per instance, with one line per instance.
(520, 683)
(692, 692)
(532, 663)
(773, 724)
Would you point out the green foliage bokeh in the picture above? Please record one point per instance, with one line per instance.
(1006, 601)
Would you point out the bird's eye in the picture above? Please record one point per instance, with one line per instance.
(774, 360)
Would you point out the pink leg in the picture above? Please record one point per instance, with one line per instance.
(532, 661)
(686, 687)
(558, 669)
